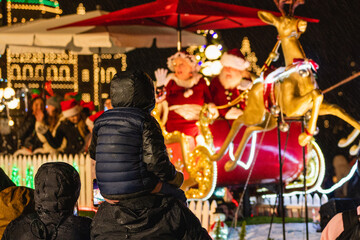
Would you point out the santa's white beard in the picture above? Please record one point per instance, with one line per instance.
(228, 81)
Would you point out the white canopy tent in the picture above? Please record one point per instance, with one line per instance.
(34, 36)
(87, 40)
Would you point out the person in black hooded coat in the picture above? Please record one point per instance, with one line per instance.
(57, 188)
(131, 160)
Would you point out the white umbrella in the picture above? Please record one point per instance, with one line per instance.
(88, 40)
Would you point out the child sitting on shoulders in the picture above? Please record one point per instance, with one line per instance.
(128, 145)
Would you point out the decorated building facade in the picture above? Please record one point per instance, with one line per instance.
(21, 11)
(68, 71)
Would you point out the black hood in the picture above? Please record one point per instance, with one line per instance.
(132, 89)
(57, 188)
(5, 181)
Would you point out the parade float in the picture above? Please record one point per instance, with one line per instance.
(273, 137)
(251, 151)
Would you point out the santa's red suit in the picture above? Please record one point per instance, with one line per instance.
(185, 99)
(222, 96)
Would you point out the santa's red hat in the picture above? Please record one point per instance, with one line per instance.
(91, 119)
(90, 105)
(70, 108)
(235, 59)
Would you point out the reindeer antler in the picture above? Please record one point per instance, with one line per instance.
(293, 4)
(280, 5)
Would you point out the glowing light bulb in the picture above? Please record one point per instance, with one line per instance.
(216, 67)
(1, 93)
(212, 52)
(11, 122)
(207, 71)
(9, 92)
(14, 103)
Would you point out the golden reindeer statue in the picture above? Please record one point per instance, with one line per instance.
(294, 93)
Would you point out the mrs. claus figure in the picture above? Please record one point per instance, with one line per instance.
(185, 93)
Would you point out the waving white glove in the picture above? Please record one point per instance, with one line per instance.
(233, 113)
(160, 76)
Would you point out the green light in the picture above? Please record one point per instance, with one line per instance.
(29, 180)
(76, 166)
(43, 2)
(15, 177)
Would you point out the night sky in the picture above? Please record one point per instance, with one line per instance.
(333, 43)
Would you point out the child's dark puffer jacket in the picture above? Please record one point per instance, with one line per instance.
(127, 141)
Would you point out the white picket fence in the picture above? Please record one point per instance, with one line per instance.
(22, 170)
(204, 211)
(295, 207)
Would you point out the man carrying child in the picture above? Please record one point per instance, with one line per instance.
(133, 170)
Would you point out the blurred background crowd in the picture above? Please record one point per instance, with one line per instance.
(51, 123)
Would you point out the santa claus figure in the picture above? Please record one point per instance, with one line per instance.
(184, 94)
(233, 79)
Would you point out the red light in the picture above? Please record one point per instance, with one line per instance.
(235, 202)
